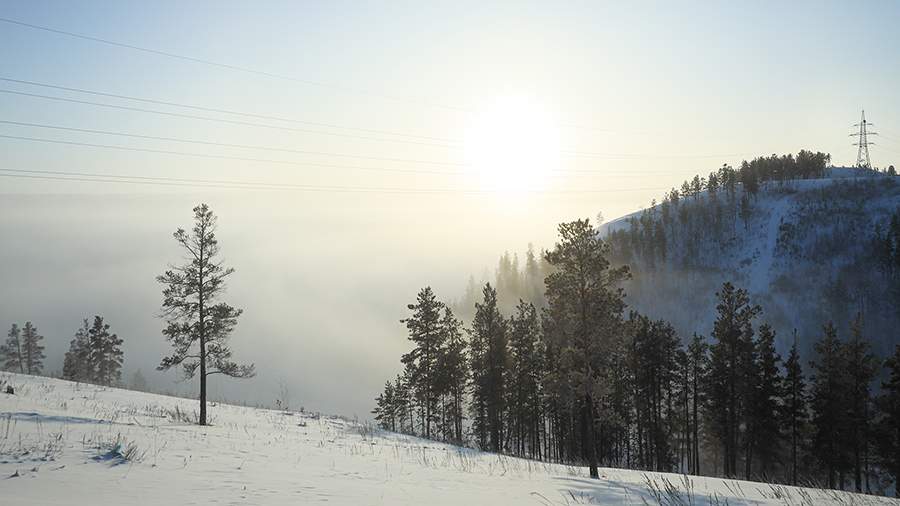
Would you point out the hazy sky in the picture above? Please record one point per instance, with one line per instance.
(609, 104)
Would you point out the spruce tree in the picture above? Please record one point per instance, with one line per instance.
(32, 350)
(197, 326)
(11, 350)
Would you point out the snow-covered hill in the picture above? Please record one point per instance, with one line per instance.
(802, 249)
(68, 443)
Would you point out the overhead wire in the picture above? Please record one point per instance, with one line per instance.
(237, 184)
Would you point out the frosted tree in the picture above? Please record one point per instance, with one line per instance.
(197, 326)
(32, 350)
(11, 350)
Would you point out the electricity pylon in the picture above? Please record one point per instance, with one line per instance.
(862, 156)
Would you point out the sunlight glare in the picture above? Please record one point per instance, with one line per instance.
(513, 146)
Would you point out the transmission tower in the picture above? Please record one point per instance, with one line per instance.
(862, 156)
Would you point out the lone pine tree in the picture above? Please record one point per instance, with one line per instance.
(197, 325)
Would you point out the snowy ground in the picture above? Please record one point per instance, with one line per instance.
(65, 443)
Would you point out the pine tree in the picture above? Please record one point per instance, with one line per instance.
(655, 351)
(489, 352)
(829, 405)
(698, 360)
(795, 406)
(525, 376)
(197, 326)
(765, 407)
(888, 402)
(729, 370)
(32, 349)
(105, 352)
(584, 295)
(861, 369)
(454, 373)
(11, 351)
(425, 332)
(77, 365)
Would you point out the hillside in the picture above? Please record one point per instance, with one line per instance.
(68, 443)
(803, 249)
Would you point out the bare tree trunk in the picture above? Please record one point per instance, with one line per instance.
(589, 436)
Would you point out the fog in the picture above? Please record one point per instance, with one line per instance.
(323, 279)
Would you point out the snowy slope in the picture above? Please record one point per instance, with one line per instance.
(803, 255)
(63, 443)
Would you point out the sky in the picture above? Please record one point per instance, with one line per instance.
(428, 138)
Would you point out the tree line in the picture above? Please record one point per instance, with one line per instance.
(682, 216)
(94, 356)
(584, 380)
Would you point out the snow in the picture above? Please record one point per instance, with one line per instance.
(66, 443)
(760, 273)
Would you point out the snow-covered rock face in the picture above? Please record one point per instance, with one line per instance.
(801, 248)
(68, 443)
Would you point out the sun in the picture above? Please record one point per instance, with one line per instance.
(513, 146)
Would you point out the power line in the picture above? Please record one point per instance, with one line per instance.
(224, 157)
(223, 111)
(606, 156)
(219, 120)
(339, 87)
(256, 185)
(226, 144)
(238, 68)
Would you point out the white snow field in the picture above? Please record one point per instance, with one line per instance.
(68, 443)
